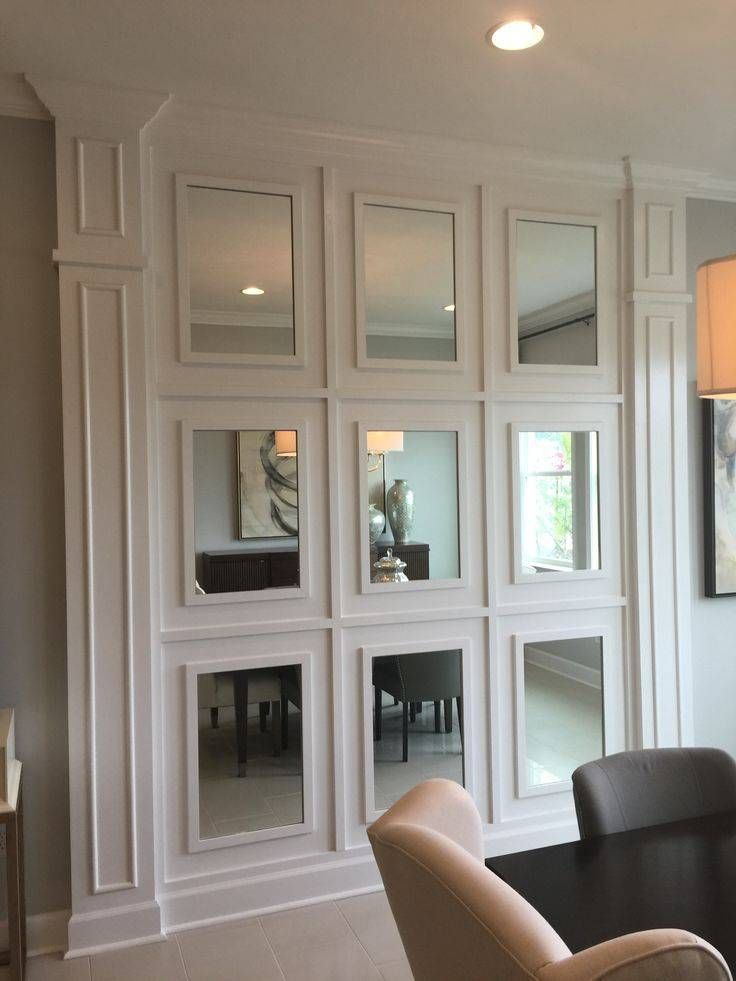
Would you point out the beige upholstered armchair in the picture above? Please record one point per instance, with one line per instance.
(458, 920)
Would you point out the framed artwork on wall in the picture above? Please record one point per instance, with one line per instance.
(267, 484)
(719, 496)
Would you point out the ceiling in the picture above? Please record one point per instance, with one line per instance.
(653, 79)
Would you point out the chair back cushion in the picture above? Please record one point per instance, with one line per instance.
(652, 786)
(456, 918)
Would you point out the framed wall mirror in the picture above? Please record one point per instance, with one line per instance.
(240, 278)
(250, 755)
(559, 710)
(553, 291)
(246, 510)
(407, 300)
(556, 506)
(416, 721)
(410, 481)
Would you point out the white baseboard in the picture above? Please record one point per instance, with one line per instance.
(47, 932)
(109, 929)
(561, 666)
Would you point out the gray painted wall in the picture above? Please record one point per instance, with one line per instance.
(32, 601)
(711, 232)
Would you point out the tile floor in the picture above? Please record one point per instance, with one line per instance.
(352, 939)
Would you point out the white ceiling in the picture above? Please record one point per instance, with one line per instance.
(654, 79)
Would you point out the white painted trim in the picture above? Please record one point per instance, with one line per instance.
(295, 193)
(235, 318)
(277, 418)
(555, 664)
(360, 200)
(516, 215)
(18, 99)
(248, 662)
(368, 653)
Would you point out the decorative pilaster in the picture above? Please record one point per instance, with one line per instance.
(659, 633)
(101, 255)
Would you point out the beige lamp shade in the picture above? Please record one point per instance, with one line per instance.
(286, 442)
(385, 442)
(716, 311)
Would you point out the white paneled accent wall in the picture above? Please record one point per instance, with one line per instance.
(135, 393)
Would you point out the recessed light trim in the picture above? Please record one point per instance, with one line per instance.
(252, 291)
(515, 35)
(450, 308)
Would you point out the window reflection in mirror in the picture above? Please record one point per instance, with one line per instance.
(241, 292)
(412, 481)
(250, 750)
(246, 510)
(563, 702)
(417, 721)
(558, 510)
(409, 271)
(556, 293)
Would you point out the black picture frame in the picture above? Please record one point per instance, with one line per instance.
(709, 503)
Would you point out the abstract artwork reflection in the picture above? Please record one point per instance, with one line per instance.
(268, 487)
(719, 498)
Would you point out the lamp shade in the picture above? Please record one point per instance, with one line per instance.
(286, 442)
(716, 313)
(385, 442)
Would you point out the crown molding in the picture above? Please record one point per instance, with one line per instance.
(692, 183)
(17, 98)
(129, 108)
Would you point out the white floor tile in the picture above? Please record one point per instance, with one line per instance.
(53, 967)
(373, 923)
(340, 960)
(308, 926)
(397, 971)
(148, 962)
(229, 953)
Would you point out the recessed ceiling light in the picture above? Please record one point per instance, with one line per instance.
(515, 35)
(253, 291)
(450, 308)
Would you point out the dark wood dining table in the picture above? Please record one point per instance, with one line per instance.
(672, 875)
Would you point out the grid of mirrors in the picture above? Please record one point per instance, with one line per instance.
(558, 507)
(412, 520)
(409, 283)
(417, 721)
(241, 271)
(246, 510)
(556, 297)
(563, 708)
(250, 750)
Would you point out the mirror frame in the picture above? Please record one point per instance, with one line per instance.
(195, 668)
(459, 427)
(188, 426)
(462, 644)
(522, 787)
(455, 209)
(293, 191)
(555, 426)
(551, 218)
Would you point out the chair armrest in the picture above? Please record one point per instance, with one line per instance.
(648, 956)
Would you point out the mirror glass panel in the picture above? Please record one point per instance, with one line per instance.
(241, 277)
(409, 283)
(417, 721)
(563, 699)
(556, 293)
(250, 750)
(246, 510)
(559, 510)
(412, 480)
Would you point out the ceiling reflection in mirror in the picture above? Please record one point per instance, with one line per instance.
(250, 770)
(412, 490)
(559, 501)
(241, 282)
(246, 510)
(556, 297)
(417, 721)
(409, 278)
(563, 707)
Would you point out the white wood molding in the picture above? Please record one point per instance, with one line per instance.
(17, 98)
(657, 440)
